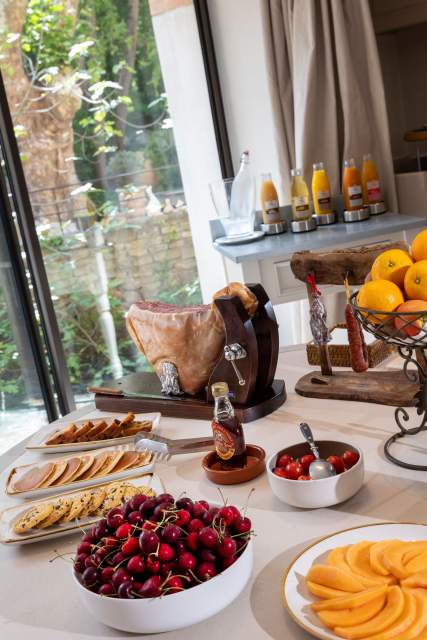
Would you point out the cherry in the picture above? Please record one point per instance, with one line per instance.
(135, 517)
(242, 525)
(84, 547)
(115, 518)
(152, 564)
(91, 561)
(101, 529)
(118, 558)
(119, 576)
(171, 533)
(183, 517)
(195, 525)
(130, 547)
(107, 574)
(89, 536)
(204, 504)
(125, 590)
(235, 511)
(79, 562)
(124, 531)
(136, 564)
(206, 571)
(187, 561)
(208, 516)
(227, 562)
(165, 552)
(192, 541)
(227, 548)
(110, 542)
(166, 497)
(185, 503)
(150, 588)
(148, 541)
(136, 501)
(147, 507)
(174, 584)
(89, 577)
(149, 525)
(199, 509)
(180, 547)
(227, 515)
(167, 568)
(208, 537)
(206, 555)
(100, 554)
(161, 511)
(106, 589)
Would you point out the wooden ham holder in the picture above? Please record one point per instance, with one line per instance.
(390, 387)
(248, 364)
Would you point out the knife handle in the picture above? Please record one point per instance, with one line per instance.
(105, 391)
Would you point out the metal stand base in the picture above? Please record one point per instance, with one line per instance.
(419, 374)
(324, 219)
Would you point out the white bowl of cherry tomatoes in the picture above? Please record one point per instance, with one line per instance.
(156, 564)
(288, 474)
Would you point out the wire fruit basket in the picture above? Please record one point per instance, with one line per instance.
(408, 332)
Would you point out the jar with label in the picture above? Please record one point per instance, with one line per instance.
(227, 430)
(269, 200)
(321, 190)
(352, 186)
(370, 181)
(300, 196)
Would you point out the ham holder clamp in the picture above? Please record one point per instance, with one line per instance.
(247, 361)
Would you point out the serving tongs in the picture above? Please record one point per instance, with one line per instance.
(163, 448)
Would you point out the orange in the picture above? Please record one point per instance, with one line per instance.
(379, 295)
(416, 281)
(391, 265)
(415, 324)
(419, 246)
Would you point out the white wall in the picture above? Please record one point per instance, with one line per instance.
(240, 52)
(185, 82)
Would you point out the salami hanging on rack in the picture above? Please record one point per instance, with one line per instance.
(358, 350)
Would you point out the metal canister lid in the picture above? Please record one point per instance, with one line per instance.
(219, 389)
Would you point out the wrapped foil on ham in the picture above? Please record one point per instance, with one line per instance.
(191, 338)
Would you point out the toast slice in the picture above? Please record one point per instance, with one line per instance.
(80, 434)
(93, 434)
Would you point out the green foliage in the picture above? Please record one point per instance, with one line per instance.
(10, 371)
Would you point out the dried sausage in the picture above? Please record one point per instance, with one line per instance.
(356, 340)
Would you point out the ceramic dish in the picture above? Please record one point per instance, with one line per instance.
(9, 516)
(315, 494)
(177, 610)
(78, 484)
(37, 441)
(295, 595)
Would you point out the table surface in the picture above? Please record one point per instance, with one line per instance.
(334, 235)
(38, 599)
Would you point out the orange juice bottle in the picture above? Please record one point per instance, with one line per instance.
(321, 190)
(370, 181)
(352, 186)
(269, 200)
(300, 196)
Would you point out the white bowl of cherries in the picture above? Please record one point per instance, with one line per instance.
(156, 564)
(289, 478)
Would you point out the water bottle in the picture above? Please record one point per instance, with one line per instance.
(241, 199)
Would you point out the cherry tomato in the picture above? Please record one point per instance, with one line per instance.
(279, 471)
(304, 478)
(337, 463)
(350, 458)
(294, 470)
(306, 461)
(283, 460)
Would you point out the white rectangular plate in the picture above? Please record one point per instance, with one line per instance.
(9, 516)
(37, 441)
(89, 482)
(295, 595)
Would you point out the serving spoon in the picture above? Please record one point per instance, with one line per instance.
(319, 468)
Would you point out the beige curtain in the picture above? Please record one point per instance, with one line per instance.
(326, 87)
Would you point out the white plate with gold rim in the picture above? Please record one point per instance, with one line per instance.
(9, 516)
(37, 442)
(295, 595)
(78, 484)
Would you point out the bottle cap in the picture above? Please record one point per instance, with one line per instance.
(367, 156)
(317, 166)
(296, 172)
(349, 163)
(219, 389)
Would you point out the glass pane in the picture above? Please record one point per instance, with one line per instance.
(90, 111)
(21, 402)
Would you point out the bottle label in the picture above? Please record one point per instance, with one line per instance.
(271, 212)
(225, 445)
(271, 204)
(355, 195)
(324, 200)
(301, 207)
(374, 191)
